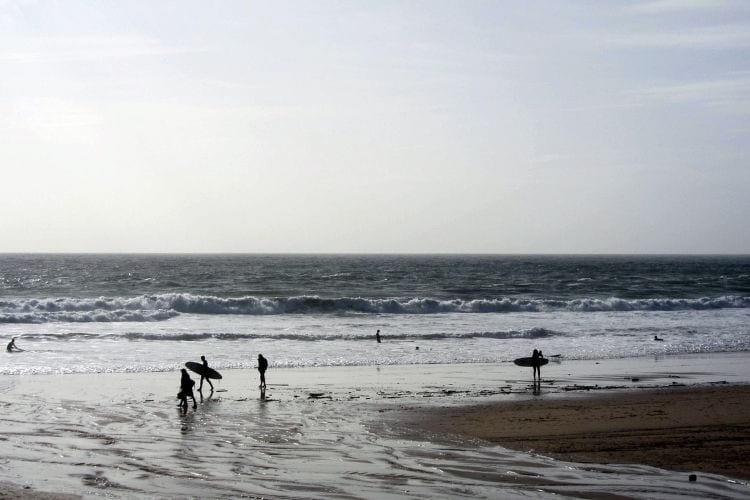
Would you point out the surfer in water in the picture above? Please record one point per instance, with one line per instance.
(377, 336)
(186, 390)
(658, 339)
(205, 365)
(12, 347)
(262, 367)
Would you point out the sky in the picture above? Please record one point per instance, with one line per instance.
(377, 127)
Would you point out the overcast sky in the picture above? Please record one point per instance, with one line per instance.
(344, 126)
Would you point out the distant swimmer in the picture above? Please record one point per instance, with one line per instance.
(262, 367)
(377, 336)
(203, 375)
(12, 347)
(186, 390)
(658, 339)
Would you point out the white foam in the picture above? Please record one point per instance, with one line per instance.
(162, 307)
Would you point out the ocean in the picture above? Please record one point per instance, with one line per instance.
(150, 313)
(94, 410)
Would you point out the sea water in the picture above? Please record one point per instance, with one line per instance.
(132, 314)
(138, 313)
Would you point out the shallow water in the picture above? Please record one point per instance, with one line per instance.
(340, 340)
(146, 313)
(122, 435)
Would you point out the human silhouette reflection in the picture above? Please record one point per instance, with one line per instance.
(210, 394)
(187, 420)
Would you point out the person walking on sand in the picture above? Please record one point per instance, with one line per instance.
(262, 367)
(203, 375)
(186, 390)
(377, 336)
(12, 347)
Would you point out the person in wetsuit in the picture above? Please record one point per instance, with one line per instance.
(536, 363)
(262, 367)
(205, 365)
(12, 347)
(186, 390)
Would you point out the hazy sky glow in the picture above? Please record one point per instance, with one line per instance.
(342, 126)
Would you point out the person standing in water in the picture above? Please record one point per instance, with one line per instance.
(186, 390)
(262, 367)
(12, 347)
(377, 336)
(205, 365)
(536, 364)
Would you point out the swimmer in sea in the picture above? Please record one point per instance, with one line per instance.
(12, 347)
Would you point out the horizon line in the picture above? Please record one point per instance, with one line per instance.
(500, 254)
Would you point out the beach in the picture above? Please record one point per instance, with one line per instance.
(335, 432)
(691, 429)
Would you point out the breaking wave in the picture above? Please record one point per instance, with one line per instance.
(146, 308)
(533, 333)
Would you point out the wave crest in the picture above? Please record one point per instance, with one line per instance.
(163, 307)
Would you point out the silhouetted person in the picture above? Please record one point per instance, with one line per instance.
(657, 338)
(12, 347)
(205, 365)
(186, 390)
(262, 367)
(377, 336)
(536, 364)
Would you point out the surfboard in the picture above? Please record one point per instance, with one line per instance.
(200, 370)
(530, 361)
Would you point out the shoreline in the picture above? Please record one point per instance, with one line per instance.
(696, 429)
(327, 430)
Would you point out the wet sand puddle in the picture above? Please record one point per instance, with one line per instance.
(311, 442)
(320, 433)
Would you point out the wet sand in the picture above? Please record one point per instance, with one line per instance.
(10, 491)
(695, 429)
(334, 432)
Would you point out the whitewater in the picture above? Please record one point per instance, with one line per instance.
(148, 313)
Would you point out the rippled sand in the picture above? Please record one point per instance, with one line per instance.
(320, 433)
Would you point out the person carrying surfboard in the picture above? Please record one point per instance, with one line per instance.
(262, 367)
(536, 364)
(203, 376)
(186, 390)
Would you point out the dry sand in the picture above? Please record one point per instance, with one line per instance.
(696, 429)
